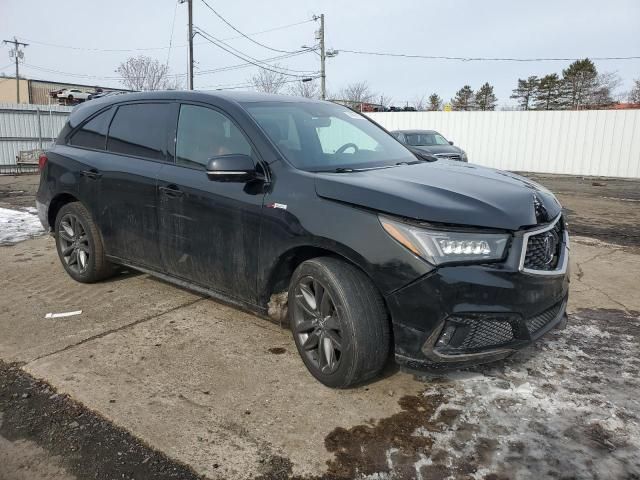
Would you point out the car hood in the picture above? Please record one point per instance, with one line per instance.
(439, 148)
(443, 192)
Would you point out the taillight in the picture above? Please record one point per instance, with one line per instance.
(42, 161)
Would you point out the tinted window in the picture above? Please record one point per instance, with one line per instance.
(204, 133)
(93, 134)
(426, 139)
(323, 136)
(140, 130)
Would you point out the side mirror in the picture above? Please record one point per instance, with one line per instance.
(450, 142)
(231, 168)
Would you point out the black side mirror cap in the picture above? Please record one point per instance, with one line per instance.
(450, 142)
(235, 167)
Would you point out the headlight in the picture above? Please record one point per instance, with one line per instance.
(438, 247)
(463, 157)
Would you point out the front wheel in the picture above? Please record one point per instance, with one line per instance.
(339, 322)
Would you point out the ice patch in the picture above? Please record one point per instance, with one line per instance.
(17, 225)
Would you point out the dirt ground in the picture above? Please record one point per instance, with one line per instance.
(152, 381)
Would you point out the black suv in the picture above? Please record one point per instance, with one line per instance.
(265, 201)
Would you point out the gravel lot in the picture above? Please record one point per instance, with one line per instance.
(152, 381)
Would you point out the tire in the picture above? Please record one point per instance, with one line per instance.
(353, 317)
(79, 245)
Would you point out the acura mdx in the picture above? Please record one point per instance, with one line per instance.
(308, 211)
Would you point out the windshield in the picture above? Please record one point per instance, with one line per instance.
(326, 137)
(426, 139)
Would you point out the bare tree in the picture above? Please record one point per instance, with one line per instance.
(357, 93)
(634, 95)
(308, 89)
(419, 102)
(268, 81)
(604, 94)
(144, 73)
(173, 83)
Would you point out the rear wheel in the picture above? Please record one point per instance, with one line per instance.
(339, 322)
(79, 245)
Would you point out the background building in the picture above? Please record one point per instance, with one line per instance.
(39, 91)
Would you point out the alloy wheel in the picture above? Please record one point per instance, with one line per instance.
(317, 325)
(74, 243)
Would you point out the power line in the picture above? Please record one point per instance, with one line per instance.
(482, 59)
(173, 26)
(231, 86)
(142, 49)
(246, 64)
(248, 59)
(202, 72)
(236, 30)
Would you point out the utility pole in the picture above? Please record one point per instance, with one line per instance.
(324, 54)
(323, 73)
(190, 35)
(18, 54)
(190, 5)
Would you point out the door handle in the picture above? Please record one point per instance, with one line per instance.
(171, 191)
(92, 174)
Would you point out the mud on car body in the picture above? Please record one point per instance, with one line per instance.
(250, 197)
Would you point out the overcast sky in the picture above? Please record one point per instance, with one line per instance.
(461, 28)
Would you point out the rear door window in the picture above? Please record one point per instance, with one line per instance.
(140, 130)
(93, 134)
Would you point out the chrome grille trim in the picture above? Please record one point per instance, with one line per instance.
(564, 253)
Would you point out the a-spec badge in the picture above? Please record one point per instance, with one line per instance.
(277, 205)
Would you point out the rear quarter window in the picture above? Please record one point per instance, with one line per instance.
(140, 130)
(93, 134)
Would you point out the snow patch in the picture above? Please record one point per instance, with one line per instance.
(18, 225)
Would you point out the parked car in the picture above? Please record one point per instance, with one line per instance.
(71, 94)
(254, 197)
(55, 93)
(431, 142)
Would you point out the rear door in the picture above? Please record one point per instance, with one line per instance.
(209, 230)
(136, 149)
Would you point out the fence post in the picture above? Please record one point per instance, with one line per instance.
(39, 128)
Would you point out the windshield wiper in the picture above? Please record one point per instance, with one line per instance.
(414, 162)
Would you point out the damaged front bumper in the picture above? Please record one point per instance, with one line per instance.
(465, 315)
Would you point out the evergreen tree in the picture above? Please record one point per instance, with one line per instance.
(579, 82)
(485, 99)
(435, 102)
(548, 95)
(463, 99)
(525, 93)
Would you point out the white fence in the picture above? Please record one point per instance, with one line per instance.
(28, 127)
(593, 142)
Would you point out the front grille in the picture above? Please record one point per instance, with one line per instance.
(544, 249)
(448, 156)
(534, 324)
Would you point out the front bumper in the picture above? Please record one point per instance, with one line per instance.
(464, 315)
